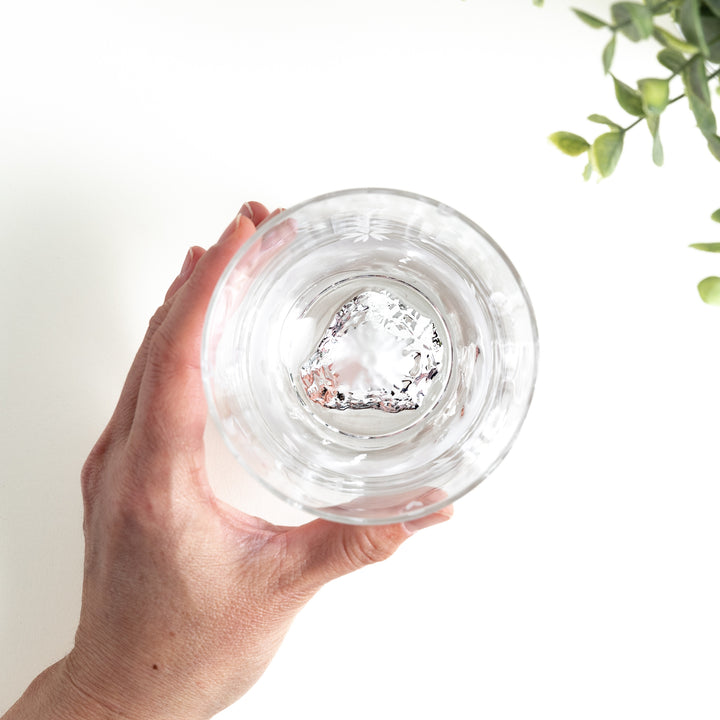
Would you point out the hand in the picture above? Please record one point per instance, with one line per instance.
(185, 599)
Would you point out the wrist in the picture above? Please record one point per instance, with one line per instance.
(63, 692)
(52, 695)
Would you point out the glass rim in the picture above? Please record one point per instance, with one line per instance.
(262, 230)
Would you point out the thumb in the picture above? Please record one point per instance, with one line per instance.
(321, 551)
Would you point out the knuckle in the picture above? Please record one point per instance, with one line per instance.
(93, 469)
(165, 351)
(88, 479)
(157, 318)
(158, 339)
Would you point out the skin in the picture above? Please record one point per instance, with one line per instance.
(185, 599)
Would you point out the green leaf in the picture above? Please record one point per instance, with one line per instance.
(629, 99)
(696, 81)
(713, 142)
(662, 7)
(539, 3)
(655, 94)
(569, 143)
(672, 59)
(711, 31)
(604, 121)
(691, 25)
(589, 19)
(633, 20)
(653, 121)
(605, 152)
(709, 290)
(609, 53)
(713, 6)
(671, 41)
(587, 172)
(658, 154)
(707, 247)
(698, 94)
(716, 216)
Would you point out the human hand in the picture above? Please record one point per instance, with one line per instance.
(185, 599)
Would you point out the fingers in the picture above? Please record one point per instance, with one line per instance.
(125, 409)
(321, 551)
(421, 523)
(258, 212)
(191, 259)
(171, 410)
(254, 211)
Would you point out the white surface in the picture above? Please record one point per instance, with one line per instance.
(580, 580)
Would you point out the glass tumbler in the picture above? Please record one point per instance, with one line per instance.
(369, 355)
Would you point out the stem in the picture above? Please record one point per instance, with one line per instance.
(712, 75)
(633, 124)
(692, 57)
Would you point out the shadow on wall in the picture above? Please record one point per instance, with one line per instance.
(64, 337)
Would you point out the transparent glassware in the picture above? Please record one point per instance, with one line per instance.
(370, 355)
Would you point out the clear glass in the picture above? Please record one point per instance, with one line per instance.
(370, 355)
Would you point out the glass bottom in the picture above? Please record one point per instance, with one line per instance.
(375, 366)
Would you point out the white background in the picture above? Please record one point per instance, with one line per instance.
(581, 579)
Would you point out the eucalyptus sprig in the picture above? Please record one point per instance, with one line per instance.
(691, 56)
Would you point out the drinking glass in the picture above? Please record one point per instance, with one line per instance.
(369, 355)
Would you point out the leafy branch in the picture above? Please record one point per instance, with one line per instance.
(690, 54)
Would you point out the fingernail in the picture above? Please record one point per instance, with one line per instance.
(278, 234)
(184, 274)
(412, 526)
(187, 265)
(270, 239)
(247, 211)
(271, 215)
